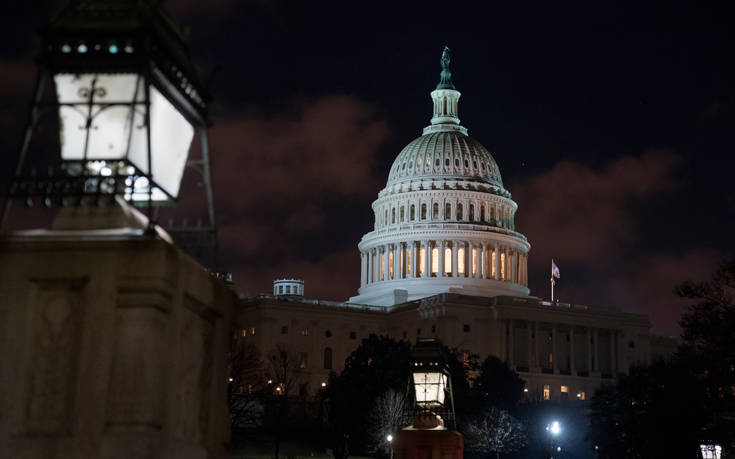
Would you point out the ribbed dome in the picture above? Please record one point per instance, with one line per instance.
(445, 155)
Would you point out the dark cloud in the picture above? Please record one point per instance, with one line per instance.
(590, 220)
(277, 181)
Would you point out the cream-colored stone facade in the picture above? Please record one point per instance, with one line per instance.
(113, 345)
(553, 347)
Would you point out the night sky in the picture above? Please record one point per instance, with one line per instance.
(612, 125)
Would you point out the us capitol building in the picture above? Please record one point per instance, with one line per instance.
(444, 260)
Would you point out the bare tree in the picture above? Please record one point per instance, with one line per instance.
(247, 379)
(285, 370)
(389, 413)
(495, 431)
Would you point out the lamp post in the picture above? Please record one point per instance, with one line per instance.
(434, 420)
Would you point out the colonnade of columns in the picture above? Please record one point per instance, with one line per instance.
(444, 258)
(560, 355)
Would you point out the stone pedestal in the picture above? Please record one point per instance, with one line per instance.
(113, 345)
(428, 443)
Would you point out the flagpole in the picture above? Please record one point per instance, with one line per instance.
(552, 289)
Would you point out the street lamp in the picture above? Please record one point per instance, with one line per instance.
(389, 439)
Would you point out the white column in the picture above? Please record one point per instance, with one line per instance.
(386, 259)
(455, 258)
(484, 262)
(441, 272)
(362, 269)
(497, 262)
(414, 261)
(397, 260)
(371, 266)
(427, 259)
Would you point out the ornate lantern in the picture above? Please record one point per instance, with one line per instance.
(128, 101)
(431, 381)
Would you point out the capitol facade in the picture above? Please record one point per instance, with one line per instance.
(444, 260)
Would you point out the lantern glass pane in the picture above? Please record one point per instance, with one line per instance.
(429, 387)
(114, 129)
(115, 105)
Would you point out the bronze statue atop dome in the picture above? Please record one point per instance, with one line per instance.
(446, 75)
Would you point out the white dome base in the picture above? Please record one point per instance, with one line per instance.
(389, 293)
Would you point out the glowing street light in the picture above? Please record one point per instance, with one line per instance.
(554, 428)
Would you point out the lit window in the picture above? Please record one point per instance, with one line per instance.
(252, 331)
(493, 264)
(502, 266)
(390, 265)
(434, 260)
(466, 358)
(303, 360)
(304, 332)
(422, 257)
(408, 260)
(581, 395)
(551, 358)
(244, 332)
(460, 260)
(547, 392)
(447, 260)
(382, 266)
(474, 261)
(565, 389)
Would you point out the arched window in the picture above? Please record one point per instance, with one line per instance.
(492, 214)
(393, 215)
(385, 221)
(447, 211)
(423, 211)
(456, 162)
(435, 211)
(459, 211)
(482, 213)
(472, 212)
(403, 211)
(413, 212)
(328, 358)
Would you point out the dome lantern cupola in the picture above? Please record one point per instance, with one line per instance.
(446, 101)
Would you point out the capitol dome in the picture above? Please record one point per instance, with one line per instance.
(444, 222)
(447, 155)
